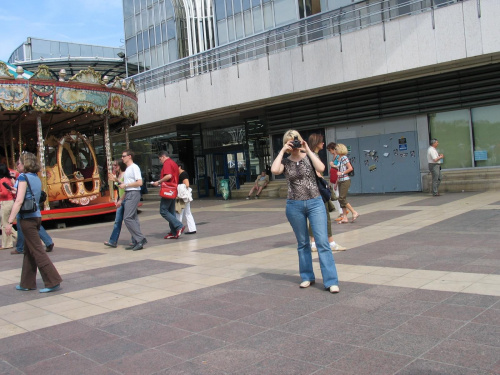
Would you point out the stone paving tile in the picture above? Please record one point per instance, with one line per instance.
(36, 353)
(479, 334)
(432, 327)
(464, 354)
(403, 343)
(279, 365)
(157, 336)
(145, 362)
(491, 316)
(190, 368)
(455, 312)
(72, 363)
(371, 362)
(430, 368)
(233, 332)
(474, 300)
(231, 358)
(110, 351)
(191, 346)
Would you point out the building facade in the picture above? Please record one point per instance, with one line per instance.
(383, 77)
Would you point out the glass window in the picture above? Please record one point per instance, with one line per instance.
(237, 6)
(268, 16)
(141, 62)
(238, 20)
(154, 60)
(246, 4)
(229, 7)
(222, 32)
(164, 31)
(255, 3)
(151, 20)
(152, 40)
(172, 50)
(247, 17)
(169, 8)
(171, 29)
(128, 8)
(64, 49)
(140, 45)
(158, 34)
(138, 22)
(165, 52)
(145, 37)
(452, 130)
(258, 24)
(486, 130)
(143, 4)
(86, 51)
(220, 9)
(131, 46)
(144, 20)
(129, 27)
(147, 60)
(74, 50)
(156, 13)
(230, 27)
(284, 11)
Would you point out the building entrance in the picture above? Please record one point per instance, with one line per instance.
(231, 166)
(385, 163)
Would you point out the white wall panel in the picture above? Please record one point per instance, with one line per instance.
(450, 38)
(490, 25)
(409, 41)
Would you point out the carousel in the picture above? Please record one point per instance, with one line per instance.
(64, 121)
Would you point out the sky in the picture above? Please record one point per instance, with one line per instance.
(98, 22)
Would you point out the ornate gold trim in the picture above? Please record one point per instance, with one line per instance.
(4, 71)
(87, 76)
(43, 72)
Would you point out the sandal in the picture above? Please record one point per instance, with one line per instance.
(343, 221)
(354, 217)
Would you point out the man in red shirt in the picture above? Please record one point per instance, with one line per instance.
(170, 174)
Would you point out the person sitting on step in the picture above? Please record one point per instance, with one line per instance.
(260, 183)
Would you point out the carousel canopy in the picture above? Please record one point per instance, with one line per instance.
(79, 103)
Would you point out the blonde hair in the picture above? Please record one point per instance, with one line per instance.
(30, 162)
(290, 135)
(341, 149)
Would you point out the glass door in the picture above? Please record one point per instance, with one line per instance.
(201, 176)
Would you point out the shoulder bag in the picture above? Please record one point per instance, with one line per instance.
(29, 205)
(322, 185)
(168, 190)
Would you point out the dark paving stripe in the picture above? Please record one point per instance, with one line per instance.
(266, 324)
(443, 199)
(92, 278)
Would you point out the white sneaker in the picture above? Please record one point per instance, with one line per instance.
(313, 246)
(336, 247)
(334, 289)
(306, 284)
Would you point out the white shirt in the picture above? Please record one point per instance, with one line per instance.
(132, 174)
(432, 155)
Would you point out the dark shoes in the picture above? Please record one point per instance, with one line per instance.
(138, 246)
(193, 232)
(16, 252)
(110, 244)
(49, 248)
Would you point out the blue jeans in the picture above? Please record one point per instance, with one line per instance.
(167, 211)
(117, 228)
(297, 213)
(44, 236)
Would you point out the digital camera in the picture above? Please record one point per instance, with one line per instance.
(296, 143)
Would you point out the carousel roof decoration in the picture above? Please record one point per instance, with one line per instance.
(72, 102)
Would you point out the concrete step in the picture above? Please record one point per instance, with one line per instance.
(465, 180)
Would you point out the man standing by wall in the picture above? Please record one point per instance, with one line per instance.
(132, 182)
(170, 173)
(434, 159)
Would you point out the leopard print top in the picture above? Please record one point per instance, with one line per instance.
(300, 179)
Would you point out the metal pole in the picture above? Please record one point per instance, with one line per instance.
(127, 140)
(12, 151)
(41, 156)
(107, 147)
(5, 145)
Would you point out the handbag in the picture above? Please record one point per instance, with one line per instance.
(168, 190)
(333, 175)
(324, 190)
(351, 173)
(29, 205)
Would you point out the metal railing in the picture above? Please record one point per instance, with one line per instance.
(308, 30)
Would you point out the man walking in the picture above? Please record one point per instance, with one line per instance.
(434, 159)
(170, 173)
(132, 182)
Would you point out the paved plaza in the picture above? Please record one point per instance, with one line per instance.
(419, 294)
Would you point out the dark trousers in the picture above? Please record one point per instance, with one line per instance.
(36, 257)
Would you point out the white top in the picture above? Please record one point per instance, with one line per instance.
(132, 174)
(432, 154)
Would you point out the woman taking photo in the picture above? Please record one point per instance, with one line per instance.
(305, 203)
(344, 183)
(316, 144)
(34, 252)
